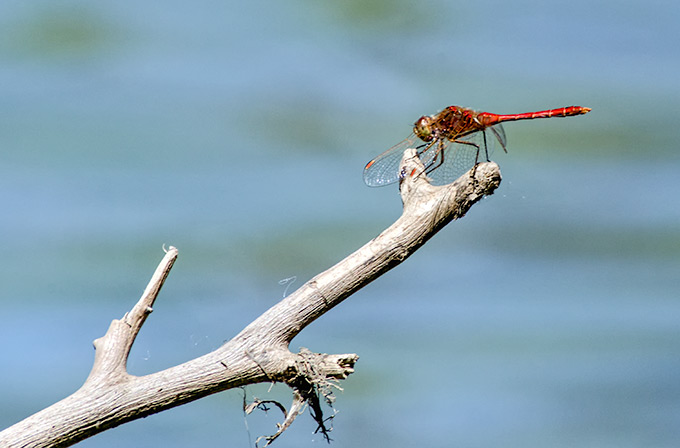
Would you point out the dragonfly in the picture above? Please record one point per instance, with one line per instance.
(450, 142)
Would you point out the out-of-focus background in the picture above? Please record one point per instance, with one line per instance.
(237, 132)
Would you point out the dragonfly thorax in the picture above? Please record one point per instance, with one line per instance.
(423, 128)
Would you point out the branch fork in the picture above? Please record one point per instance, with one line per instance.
(259, 353)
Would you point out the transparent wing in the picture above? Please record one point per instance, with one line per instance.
(448, 160)
(444, 160)
(384, 169)
(452, 160)
(498, 134)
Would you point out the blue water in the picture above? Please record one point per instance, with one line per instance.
(237, 132)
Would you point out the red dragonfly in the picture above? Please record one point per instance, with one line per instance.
(449, 143)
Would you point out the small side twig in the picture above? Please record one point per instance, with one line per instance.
(113, 349)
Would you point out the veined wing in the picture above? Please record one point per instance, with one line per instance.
(448, 160)
(497, 134)
(384, 169)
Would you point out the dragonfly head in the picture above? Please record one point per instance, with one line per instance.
(423, 128)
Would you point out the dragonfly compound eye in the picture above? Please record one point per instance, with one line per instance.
(423, 128)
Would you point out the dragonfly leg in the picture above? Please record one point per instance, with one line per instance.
(420, 150)
(486, 148)
(478, 149)
(438, 156)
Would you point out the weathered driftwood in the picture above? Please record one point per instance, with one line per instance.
(110, 396)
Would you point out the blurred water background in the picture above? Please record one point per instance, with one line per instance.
(237, 132)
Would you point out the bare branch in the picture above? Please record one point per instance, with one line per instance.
(110, 396)
(426, 210)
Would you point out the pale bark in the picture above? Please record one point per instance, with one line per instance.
(110, 396)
